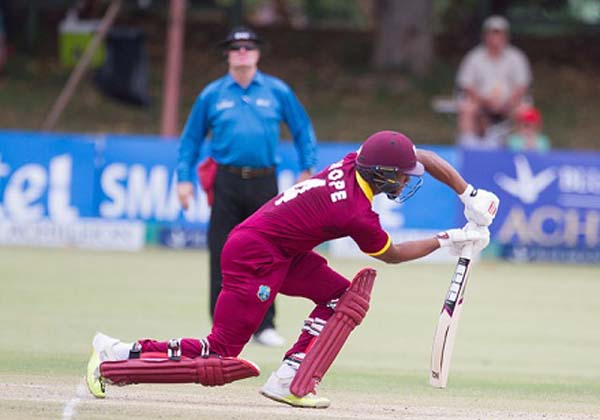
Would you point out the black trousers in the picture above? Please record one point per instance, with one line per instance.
(235, 199)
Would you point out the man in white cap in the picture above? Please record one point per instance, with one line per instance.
(493, 78)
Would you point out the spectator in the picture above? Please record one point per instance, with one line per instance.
(493, 79)
(527, 134)
(243, 110)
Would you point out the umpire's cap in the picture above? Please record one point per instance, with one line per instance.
(241, 33)
(390, 149)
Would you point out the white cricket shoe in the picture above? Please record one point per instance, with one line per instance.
(109, 348)
(278, 388)
(105, 348)
(269, 337)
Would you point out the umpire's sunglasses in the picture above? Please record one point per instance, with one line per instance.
(247, 47)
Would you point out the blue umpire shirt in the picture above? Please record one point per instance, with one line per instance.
(245, 125)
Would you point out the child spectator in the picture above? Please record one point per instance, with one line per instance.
(527, 134)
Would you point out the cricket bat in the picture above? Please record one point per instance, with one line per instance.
(445, 334)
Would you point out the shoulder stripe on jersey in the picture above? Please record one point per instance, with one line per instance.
(385, 247)
(364, 186)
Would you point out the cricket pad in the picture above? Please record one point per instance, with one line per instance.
(349, 312)
(209, 371)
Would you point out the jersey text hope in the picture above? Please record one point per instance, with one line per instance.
(334, 180)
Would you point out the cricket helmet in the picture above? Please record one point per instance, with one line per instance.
(382, 157)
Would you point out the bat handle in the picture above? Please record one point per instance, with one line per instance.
(467, 251)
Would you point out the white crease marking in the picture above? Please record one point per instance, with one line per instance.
(69, 410)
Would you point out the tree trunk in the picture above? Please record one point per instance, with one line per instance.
(403, 35)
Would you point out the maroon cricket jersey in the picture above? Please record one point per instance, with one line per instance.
(332, 204)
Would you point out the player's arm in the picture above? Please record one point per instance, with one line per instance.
(407, 251)
(454, 239)
(480, 205)
(442, 170)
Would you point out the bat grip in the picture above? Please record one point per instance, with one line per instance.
(467, 251)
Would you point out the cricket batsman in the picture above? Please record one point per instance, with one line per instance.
(271, 252)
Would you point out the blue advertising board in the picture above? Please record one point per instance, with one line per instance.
(64, 177)
(549, 203)
(46, 175)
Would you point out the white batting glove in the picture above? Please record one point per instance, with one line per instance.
(480, 205)
(456, 239)
(479, 244)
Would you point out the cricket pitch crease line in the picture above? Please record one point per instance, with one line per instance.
(118, 402)
(70, 407)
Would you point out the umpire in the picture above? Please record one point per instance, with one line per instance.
(243, 111)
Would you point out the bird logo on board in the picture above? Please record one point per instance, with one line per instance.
(264, 292)
(526, 186)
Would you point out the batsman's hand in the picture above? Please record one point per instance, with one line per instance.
(185, 192)
(481, 206)
(479, 244)
(456, 239)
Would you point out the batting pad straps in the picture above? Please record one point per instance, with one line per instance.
(210, 371)
(350, 311)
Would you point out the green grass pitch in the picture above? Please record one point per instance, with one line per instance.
(528, 344)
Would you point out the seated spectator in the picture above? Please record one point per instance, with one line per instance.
(493, 79)
(527, 134)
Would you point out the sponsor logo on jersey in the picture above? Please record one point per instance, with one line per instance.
(264, 292)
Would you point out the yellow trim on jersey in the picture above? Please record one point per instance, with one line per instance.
(385, 247)
(364, 185)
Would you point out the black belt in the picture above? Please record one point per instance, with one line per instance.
(247, 172)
